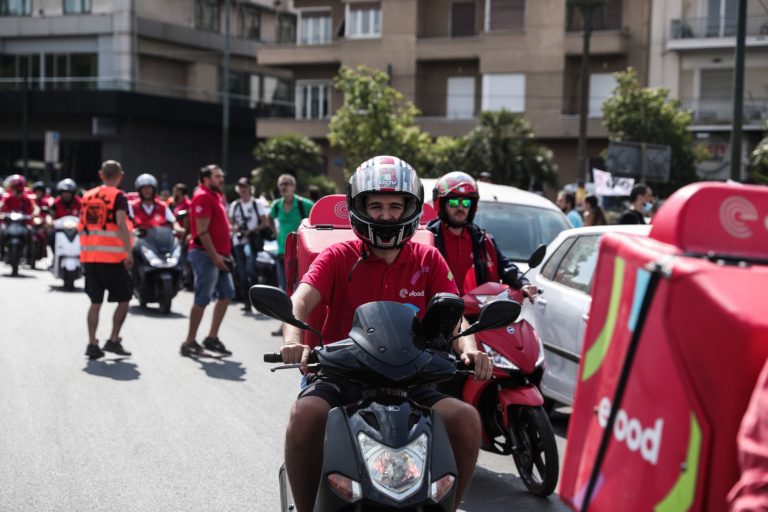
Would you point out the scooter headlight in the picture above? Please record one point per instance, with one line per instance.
(176, 253)
(499, 361)
(156, 261)
(396, 472)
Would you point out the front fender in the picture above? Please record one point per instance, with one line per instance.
(527, 395)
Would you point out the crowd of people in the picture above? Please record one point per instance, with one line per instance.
(585, 210)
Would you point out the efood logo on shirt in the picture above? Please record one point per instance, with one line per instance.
(198, 209)
(413, 293)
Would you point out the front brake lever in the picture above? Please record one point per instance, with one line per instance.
(292, 366)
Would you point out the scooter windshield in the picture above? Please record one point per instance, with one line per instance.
(161, 240)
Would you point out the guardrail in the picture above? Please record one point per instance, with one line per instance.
(721, 110)
(716, 26)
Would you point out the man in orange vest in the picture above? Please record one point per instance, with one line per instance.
(105, 251)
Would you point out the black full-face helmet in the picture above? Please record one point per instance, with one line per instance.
(385, 175)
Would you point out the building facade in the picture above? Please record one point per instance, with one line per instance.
(456, 58)
(138, 81)
(693, 55)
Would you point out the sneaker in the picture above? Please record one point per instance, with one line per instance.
(115, 347)
(215, 345)
(191, 349)
(94, 352)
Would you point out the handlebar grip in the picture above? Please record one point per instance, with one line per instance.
(274, 357)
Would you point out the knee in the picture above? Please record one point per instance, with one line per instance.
(461, 421)
(307, 421)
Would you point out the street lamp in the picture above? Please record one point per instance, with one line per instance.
(587, 8)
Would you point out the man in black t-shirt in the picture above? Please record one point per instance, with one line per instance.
(640, 205)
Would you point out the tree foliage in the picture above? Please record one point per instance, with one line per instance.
(375, 119)
(504, 144)
(759, 160)
(292, 154)
(644, 114)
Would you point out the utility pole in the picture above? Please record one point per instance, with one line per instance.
(225, 95)
(587, 8)
(738, 93)
(24, 125)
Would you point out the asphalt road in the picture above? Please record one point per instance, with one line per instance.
(155, 431)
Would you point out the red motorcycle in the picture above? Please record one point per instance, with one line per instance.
(510, 404)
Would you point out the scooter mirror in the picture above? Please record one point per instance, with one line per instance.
(538, 256)
(275, 303)
(492, 316)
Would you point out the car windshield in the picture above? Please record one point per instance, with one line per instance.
(519, 229)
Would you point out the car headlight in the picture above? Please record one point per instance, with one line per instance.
(499, 361)
(396, 472)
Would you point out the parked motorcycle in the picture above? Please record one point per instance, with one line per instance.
(16, 239)
(266, 260)
(386, 452)
(66, 255)
(157, 275)
(511, 404)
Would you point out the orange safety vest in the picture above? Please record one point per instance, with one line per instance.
(99, 241)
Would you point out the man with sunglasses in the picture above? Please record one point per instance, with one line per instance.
(470, 251)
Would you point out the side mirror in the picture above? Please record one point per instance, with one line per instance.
(275, 303)
(538, 256)
(441, 316)
(493, 315)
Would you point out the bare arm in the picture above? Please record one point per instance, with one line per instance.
(122, 231)
(304, 300)
(466, 347)
(202, 224)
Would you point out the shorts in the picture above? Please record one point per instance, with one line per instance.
(111, 277)
(338, 393)
(209, 279)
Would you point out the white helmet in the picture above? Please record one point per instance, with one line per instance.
(145, 180)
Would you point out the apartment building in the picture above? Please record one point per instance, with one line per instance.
(693, 53)
(139, 81)
(456, 58)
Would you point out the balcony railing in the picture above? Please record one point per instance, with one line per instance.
(716, 111)
(716, 26)
(275, 108)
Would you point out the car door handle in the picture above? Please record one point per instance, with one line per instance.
(585, 317)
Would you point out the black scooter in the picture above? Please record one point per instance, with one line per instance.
(157, 268)
(16, 239)
(386, 452)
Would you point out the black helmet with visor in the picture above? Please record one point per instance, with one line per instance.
(385, 175)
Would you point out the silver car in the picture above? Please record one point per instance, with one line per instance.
(561, 313)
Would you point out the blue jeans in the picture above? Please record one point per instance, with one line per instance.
(209, 279)
(245, 267)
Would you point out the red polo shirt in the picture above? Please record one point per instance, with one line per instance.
(413, 278)
(458, 254)
(210, 204)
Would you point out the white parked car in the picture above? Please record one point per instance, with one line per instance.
(519, 220)
(560, 314)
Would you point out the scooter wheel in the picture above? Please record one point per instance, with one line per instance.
(535, 455)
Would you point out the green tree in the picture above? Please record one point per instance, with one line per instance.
(504, 144)
(375, 119)
(759, 160)
(644, 114)
(293, 154)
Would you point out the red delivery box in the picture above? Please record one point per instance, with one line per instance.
(328, 223)
(678, 333)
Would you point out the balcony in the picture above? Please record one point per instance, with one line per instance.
(715, 32)
(720, 111)
(603, 42)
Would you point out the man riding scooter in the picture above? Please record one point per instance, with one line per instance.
(16, 199)
(463, 244)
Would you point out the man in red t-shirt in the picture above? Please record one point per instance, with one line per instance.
(385, 203)
(210, 247)
(67, 203)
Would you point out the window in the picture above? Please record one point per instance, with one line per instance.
(504, 91)
(286, 28)
(59, 71)
(462, 18)
(77, 6)
(577, 267)
(277, 90)
(605, 18)
(550, 267)
(15, 7)
(15, 67)
(249, 22)
(363, 20)
(207, 15)
(315, 28)
(601, 86)
(313, 100)
(506, 15)
(461, 97)
(722, 18)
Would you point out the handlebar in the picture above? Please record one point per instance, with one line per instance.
(273, 357)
